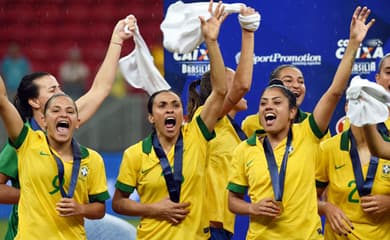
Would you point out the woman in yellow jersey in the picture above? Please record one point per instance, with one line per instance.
(293, 79)
(228, 133)
(358, 187)
(32, 95)
(61, 182)
(278, 170)
(168, 167)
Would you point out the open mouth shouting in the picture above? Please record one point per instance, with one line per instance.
(170, 123)
(270, 118)
(62, 127)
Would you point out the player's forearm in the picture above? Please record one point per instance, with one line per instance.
(8, 194)
(94, 210)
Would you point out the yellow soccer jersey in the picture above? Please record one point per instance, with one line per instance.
(335, 170)
(140, 169)
(39, 192)
(299, 219)
(220, 157)
(252, 123)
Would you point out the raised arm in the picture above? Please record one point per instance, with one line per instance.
(325, 107)
(10, 116)
(105, 77)
(243, 77)
(210, 28)
(378, 147)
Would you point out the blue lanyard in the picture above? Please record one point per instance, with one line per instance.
(363, 186)
(34, 125)
(277, 179)
(75, 170)
(237, 128)
(382, 129)
(173, 180)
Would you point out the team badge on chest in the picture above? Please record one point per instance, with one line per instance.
(84, 172)
(386, 172)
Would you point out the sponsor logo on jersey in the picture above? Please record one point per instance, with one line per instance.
(337, 167)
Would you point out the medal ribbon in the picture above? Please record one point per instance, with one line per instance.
(364, 186)
(75, 170)
(173, 180)
(34, 125)
(277, 179)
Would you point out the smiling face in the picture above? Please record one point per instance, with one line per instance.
(166, 114)
(60, 118)
(383, 76)
(275, 112)
(293, 79)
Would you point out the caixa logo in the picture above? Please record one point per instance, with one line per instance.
(370, 49)
(199, 54)
(194, 63)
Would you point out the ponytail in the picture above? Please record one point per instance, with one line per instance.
(194, 100)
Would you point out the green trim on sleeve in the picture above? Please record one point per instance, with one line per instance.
(147, 144)
(124, 187)
(22, 136)
(237, 188)
(314, 127)
(9, 161)
(203, 128)
(100, 197)
(320, 184)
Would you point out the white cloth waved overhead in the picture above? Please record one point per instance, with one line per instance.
(368, 102)
(181, 26)
(139, 70)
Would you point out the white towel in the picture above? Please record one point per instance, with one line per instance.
(139, 70)
(368, 102)
(181, 26)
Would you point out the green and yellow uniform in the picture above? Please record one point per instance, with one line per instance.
(141, 170)
(220, 159)
(39, 192)
(335, 171)
(299, 218)
(8, 167)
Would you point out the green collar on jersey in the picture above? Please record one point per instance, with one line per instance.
(344, 140)
(301, 115)
(147, 144)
